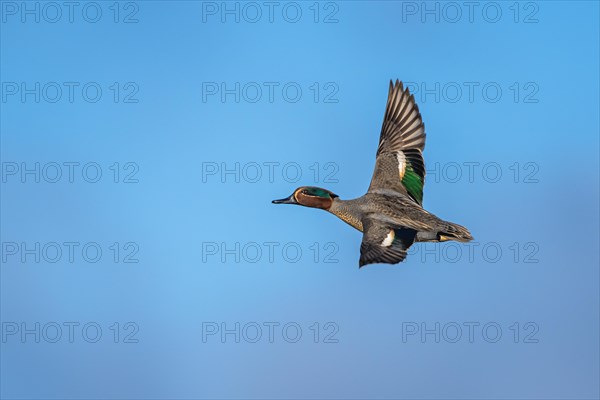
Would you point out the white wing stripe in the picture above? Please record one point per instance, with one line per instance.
(387, 242)
(401, 163)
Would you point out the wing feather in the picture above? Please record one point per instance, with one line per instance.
(384, 244)
(402, 132)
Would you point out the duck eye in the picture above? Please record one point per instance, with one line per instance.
(305, 191)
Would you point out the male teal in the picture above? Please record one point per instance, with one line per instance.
(391, 214)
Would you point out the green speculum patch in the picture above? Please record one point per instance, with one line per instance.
(413, 184)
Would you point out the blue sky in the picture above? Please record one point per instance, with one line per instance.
(142, 144)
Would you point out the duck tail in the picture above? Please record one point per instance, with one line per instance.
(456, 232)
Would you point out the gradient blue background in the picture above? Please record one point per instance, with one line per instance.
(170, 132)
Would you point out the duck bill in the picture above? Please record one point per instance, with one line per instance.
(287, 200)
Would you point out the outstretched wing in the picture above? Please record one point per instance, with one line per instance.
(399, 166)
(384, 244)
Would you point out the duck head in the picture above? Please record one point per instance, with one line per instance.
(310, 196)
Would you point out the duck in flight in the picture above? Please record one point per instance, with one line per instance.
(390, 215)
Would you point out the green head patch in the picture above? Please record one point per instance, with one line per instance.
(317, 192)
